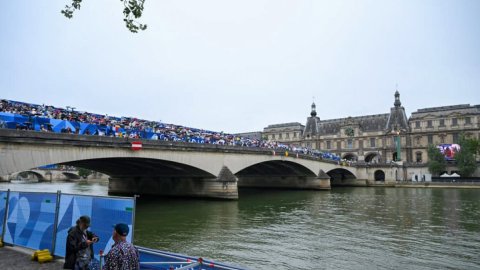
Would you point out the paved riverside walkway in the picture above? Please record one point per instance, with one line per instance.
(19, 258)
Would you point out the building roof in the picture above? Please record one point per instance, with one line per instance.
(444, 111)
(291, 124)
(397, 120)
(367, 123)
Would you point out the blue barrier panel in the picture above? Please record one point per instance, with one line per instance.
(104, 213)
(31, 218)
(3, 204)
(162, 260)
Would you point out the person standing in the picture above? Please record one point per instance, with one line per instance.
(123, 255)
(79, 247)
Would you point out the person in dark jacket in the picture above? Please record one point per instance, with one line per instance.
(79, 248)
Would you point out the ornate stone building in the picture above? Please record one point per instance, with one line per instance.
(442, 125)
(382, 138)
(291, 133)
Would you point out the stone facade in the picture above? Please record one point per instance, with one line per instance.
(383, 138)
(291, 133)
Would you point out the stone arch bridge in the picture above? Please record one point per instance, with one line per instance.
(167, 168)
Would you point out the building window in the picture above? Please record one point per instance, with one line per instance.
(429, 123)
(349, 143)
(288, 135)
(273, 136)
(329, 145)
(442, 139)
(455, 137)
(454, 121)
(339, 145)
(418, 157)
(280, 136)
(417, 124)
(372, 142)
(294, 134)
(442, 122)
(430, 139)
(468, 120)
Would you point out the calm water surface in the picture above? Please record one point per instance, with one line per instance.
(346, 228)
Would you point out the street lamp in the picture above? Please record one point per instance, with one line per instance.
(397, 144)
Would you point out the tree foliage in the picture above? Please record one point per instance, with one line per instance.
(133, 10)
(84, 173)
(436, 160)
(466, 157)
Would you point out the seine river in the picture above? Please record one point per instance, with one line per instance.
(345, 228)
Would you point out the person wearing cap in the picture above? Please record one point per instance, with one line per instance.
(79, 247)
(123, 255)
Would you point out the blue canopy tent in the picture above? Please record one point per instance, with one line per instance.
(40, 121)
(92, 129)
(7, 117)
(58, 125)
(12, 120)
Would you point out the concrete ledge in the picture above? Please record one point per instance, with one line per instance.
(438, 185)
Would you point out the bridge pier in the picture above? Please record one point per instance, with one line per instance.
(224, 186)
(287, 182)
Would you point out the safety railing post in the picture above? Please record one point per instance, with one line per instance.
(133, 215)
(55, 222)
(100, 258)
(5, 217)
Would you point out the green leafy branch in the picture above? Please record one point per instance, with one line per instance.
(68, 11)
(133, 10)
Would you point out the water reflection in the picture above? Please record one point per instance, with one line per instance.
(341, 229)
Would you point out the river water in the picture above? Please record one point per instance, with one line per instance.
(345, 228)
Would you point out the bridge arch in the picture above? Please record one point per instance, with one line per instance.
(372, 157)
(341, 174)
(276, 168)
(379, 175)
(71, 176)
(131, 166)
(39, 176)
(350, 156)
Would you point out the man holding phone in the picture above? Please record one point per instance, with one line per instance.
(79, 248)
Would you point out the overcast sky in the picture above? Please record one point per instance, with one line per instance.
(239, 66)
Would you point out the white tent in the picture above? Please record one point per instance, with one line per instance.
(445, 175)
(454, 175)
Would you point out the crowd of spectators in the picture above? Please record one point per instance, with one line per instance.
(69, 120)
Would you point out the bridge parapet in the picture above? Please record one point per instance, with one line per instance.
(35, 137)
(163, 166)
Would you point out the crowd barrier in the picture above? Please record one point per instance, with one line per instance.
(41, 220)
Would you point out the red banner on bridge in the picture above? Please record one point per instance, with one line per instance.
(136, 146)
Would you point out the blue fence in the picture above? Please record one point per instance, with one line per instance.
(3, 204)
(103, 211)
(30, 220)
(42, 220)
